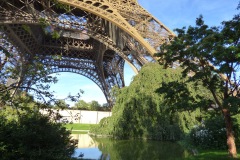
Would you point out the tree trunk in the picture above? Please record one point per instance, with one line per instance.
(232, 150)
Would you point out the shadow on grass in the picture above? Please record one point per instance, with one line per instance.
(212, 155)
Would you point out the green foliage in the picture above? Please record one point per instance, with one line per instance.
(139, 149)
(94, 106)
(46, 25)
(33, 136)
(61, 104)
(210, 135)
(104, 128)
(26, 28)
(213, 154)
(210, 56)
(139, 111)
(187, 120)
(48, 28)
(24, 133)
(61, 6)
(142, 118)
(106, 107)
(43, 22)
(82, 105)
(55, 35)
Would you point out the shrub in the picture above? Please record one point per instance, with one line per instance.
(210, 135)
(34, 137)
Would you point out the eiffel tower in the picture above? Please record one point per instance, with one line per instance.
(94, 38)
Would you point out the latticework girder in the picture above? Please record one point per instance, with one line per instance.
(89, 37)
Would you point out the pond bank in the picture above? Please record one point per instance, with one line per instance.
(202, 154)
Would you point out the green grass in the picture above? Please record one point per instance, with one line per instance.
(79, 132)
(77, 126)
(211, 155)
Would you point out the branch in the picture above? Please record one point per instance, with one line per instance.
(216, 99)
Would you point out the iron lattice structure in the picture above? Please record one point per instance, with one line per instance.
(93, 38)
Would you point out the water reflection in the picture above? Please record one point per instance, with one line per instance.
(87, 148)
(106, 149)
(85, 141)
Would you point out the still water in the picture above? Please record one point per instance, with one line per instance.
(110, 149)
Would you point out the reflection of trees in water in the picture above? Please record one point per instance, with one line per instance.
(138, 149)
(105, 156)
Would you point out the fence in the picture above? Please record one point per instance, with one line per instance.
(82, 116)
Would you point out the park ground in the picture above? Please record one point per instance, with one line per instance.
(77, 128)
(211, 155)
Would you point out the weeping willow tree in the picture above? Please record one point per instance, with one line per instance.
(139, 111)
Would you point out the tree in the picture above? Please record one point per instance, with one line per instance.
(211, 56)
(106, 107)
(82, 105)
(94, 106)
(24, 132)
(61, 104)
(139, 111)
(34, 136)
(24, 72)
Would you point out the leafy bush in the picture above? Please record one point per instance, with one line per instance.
(210, 135)
(104, 128)
(140, 113)
(34, 137)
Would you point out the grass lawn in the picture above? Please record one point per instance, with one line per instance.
(79, 132)
(77, 126)
(211, 155)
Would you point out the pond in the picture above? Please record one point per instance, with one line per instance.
(110, 149)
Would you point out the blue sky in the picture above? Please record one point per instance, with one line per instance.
(71, 83)
(173, 14)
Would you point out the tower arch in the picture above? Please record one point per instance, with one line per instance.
(93, 38)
